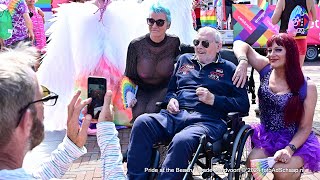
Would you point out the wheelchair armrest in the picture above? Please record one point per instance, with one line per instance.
(162, 105)
(233, 115)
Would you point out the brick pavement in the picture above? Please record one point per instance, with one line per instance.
(88, 166)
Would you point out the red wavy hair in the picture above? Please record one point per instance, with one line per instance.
(294, 108)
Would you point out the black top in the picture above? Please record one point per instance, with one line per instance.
(229, 2)
(150, 66)
(285, 16)
(150, 63)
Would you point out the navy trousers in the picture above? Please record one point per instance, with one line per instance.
(183, 130)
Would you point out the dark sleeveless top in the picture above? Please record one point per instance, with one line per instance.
(285, 16)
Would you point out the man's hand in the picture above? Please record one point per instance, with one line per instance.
(239, 78)
(78, 135)
(173, 106)
(205, 95)
(106, 113)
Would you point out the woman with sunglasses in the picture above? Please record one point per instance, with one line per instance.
(287, 103)
(150, 61)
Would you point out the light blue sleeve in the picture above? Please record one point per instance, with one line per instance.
(111, 156)
(60, 160)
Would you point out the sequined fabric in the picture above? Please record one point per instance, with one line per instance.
(272, 107)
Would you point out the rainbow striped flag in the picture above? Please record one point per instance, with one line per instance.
(208, 18)
(263, 4)
(44, 5)
(12, 6)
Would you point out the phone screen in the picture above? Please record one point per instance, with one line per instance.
(96, 90)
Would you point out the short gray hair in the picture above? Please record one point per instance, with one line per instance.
(208, 29)
(17, 86)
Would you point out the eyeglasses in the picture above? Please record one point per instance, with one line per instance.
(48, 98)
(30, 14)
(204, 43)
(159, 22)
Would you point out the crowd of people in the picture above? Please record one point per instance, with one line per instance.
(200, 89)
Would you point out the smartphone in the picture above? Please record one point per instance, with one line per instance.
(96, 90)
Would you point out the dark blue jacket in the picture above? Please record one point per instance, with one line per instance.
(216, 77)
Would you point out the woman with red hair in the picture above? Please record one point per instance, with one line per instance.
(287, 103)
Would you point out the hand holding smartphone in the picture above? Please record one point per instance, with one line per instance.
(96, 90)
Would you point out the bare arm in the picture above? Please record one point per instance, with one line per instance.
(28, 22)
(256, 60)
(242, 50)
(305, 126)
(1, 43)
(278, 11)
(41, 14)
(312, 10)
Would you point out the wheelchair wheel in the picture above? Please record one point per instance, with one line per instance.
(241, 148)
(243, 153)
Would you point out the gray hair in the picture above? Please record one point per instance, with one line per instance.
(17, 86)
(211, 30)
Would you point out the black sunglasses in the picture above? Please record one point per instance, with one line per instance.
(204, 43)
(30, 14)
(48, 98)
(159, 22)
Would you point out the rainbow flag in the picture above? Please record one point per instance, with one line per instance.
(263, 4)
(12, 6)
(44, 5)
(208, 18)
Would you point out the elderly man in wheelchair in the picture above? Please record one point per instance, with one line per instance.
(200, 96)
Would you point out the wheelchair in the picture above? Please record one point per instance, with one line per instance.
(230, 152)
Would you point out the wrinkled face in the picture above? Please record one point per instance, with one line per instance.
(276, 55)
(37, 130)
(156, 30)
(206, 54)
(30, 2)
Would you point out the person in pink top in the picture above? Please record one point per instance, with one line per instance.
(37, 18)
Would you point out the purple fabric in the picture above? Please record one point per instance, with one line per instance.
(272, 141)
(272, 107)
(272, 134)
(265, 70)
(303, 89)
(19, 26)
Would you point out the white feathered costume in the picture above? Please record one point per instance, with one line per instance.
(80, 45)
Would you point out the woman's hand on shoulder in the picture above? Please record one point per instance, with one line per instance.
(239, 77)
